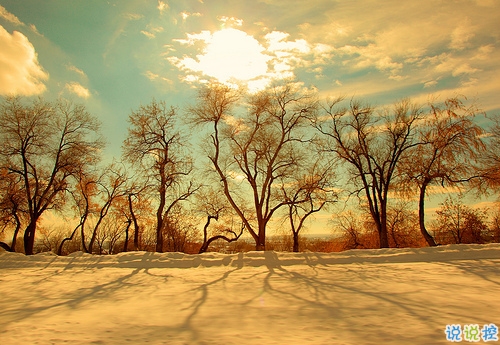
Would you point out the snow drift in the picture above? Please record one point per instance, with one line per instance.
(387, 296)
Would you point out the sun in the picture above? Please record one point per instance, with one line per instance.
(233, 54)
(229, 55)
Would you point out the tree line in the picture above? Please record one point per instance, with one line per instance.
(279, 155)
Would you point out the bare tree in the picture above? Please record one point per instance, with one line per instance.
(110, 187)
(11, 206)
(490, 159)
(494, 231)
(49, 238)
(180, 230)
(109, 233)
(450, 148)
(121, 218)
(94, 195)
(402, 226)
(82, 194)
(312, 190)
(212, 205)
(44, 145)
(459, 223)
(155, 147)
(137, 205)
(371, 145)
(353, 230)
(132, 206)
(253, 152)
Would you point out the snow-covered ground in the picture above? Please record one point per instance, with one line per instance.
(392, 296)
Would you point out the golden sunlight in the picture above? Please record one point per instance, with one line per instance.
(229, 55)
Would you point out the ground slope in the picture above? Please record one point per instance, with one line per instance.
(391, 296)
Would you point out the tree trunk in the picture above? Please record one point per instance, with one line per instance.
(136, 236)
(90, 248)
(204, 247)
(383, 238)
(12, 247)
(206, 241)
(29, 237)
(16, 231)
(82, 235)
(383, 235)
(136, 224)
(260, 244)
(206, 244)
(125, 245)
(421, 215)
(6, 247)
(295, 242)
(159, 240)
(59, 251)
(159, 212)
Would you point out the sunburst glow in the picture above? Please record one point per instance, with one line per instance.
(229, 54)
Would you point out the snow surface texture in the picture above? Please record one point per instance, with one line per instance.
(389, 296)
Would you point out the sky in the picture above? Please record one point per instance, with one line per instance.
(114, 56)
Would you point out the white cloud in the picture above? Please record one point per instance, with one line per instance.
(484, 52)
(191, 78)
(461, 36)
(34, 29)
(277, 43)
(20, 72)
(471, 82)
(230, 21)
(152, 31)
(456, 65)
(231, 55)
(132, 16)
(430, 83)
(9, 16)
(398, 38)
(156, 29)
(322, 48)
(166, 80)
(78, 89)
(236, 124)
(148, 34)
(162, 6)
(6, 15)
(150, 75)
(185, 15)
(372, 55)
(464, 68)
(204, 36)
(76, 70)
